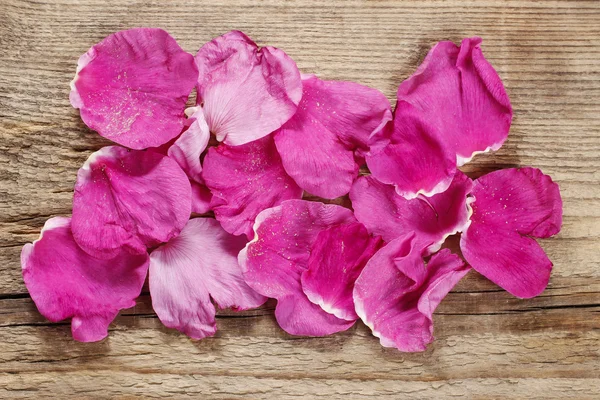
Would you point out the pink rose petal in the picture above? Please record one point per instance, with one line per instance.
(194, 267)
(334, 121)
(432, 219)
(130, 198)
(512, 206)
(274, 261)
(244, 181)
(66, 282)
(246, 92)
(337, 258)
(132, 87)
(396, 294)
(460, 93)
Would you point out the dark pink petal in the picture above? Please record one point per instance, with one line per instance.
(130, 198)
(432, 219)
(244, 181)
(337, 258)
(274, 261)
(66, 282)
(460, 93)
(396, 294)
(334, 121)
(194, 267)
(511, 206)
(408, 154)
(246, 92)
(132, 87)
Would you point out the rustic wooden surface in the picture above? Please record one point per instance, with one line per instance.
(489, 344)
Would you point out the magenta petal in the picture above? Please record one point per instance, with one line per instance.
(396, 294)
(64, 281)
(334, 120)
(408, 154)
(130, 198)
(274, 261)
(460, 93)
(246, 92)
(132, 87)
(194, 267)
(432, 219)
(337, 258)
(511, 206)
(244, 181)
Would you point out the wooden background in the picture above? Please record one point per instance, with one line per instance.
(489, 344)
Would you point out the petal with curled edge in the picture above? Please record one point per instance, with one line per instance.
(337, 258)
(66, 282)
(323, 144)
(244, 181)
(274, 261)
(133, 86)
(396, 293)
(511, 207)
(246, 92)
(128, 198)
(433, 219)
(199, 265)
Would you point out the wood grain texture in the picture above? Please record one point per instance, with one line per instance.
(489, 344)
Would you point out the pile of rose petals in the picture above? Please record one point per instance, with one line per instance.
(282, 135)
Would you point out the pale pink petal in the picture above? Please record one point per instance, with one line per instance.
(337, 258)
(128, 198)
(396, 294)
(246, 92)
(461, 95)
(66, 282)
(244, 181)
(191, 144)
(274, 261)
(432, 219)
(200, 264)
(511, 206)
(322, 144)
(408, 155)
(132, 87)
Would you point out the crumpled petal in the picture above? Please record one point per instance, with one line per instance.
(433, 219)
(322, 145)
(244, 181)
(274, 261)
(511, 206)
(199, 264)
(66, 282)
(460, 93)
(337, 258)
(246, 92)
(129, 198)
(132, 87)
(408, 155)
(396, 294)
(186, 151)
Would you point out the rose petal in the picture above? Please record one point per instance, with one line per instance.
(408, 154)
(246, 92)
(460, 93)
(194, 267)
(130, 198)
(396, 294)
(432, 219)
(244, 181)
(337, 258)
(274, 261)
(132, 87)
(334, 120)
(511, 205)
(64, 281)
